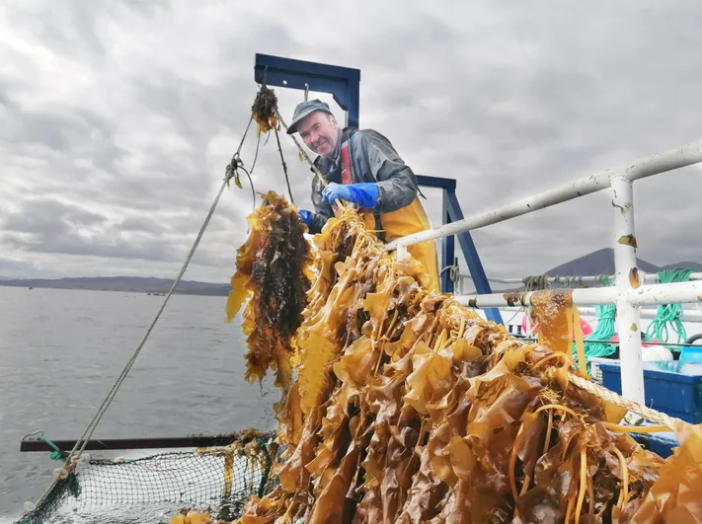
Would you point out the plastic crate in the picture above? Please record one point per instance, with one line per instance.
(672, 387)
(595, 371)
(691, 354)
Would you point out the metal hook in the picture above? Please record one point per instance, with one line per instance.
(307, 91)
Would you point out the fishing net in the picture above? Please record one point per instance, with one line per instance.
(153, 489)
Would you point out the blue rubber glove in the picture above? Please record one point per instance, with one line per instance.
(365, 195)
(305, 216)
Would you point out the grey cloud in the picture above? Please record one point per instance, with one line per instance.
(70, 244)
(74, 131)
(152, 7)
(508, 101)
(48, 217)
(140, 224)
(69, 30)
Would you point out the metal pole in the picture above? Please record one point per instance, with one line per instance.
(686, 316)
(585, 279)
(587, 297)
(675, 292)
(626, 279)
(653, 294)
(675, 158)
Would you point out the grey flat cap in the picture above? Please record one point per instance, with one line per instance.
(305, 109)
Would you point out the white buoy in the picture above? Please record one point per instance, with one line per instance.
(60, 473)
(29, 506)
(654, 353)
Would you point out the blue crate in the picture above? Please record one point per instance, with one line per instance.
(691, 354)
(672, 387)
(660, 443)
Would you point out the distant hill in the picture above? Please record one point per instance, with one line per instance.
(597, 263)
(123, 284)
(602, 263)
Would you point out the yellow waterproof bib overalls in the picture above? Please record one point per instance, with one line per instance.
(402, 222)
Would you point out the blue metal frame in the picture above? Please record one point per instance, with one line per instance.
(452, 213)
(343, 84)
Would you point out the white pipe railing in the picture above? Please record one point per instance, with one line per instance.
(653, 294)
(628, 293)
(585, 279)
(588, 311)
(666, 161)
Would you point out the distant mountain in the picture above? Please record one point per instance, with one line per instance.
(602, 263)
(123, 284)
(598, 263)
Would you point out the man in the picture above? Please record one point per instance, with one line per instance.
(362, 167)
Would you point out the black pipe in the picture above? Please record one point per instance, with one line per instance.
(693, 338)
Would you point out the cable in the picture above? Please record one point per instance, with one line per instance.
(285, 167)
(82, 442)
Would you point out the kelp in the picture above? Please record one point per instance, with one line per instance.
(264, 110)
(410, 408)
(273, 272)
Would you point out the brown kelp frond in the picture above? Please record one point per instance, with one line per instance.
(272, 269)
(264, 110)
(410, 408)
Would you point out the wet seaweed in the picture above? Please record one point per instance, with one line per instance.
(264, 110)
(272, 271)
(409, 408)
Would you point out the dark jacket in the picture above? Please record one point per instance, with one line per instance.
(373, 159)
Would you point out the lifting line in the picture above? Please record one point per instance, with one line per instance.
(80, 445)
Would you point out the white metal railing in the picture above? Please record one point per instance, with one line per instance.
(685, 315)
(586, 279)
(628, 293)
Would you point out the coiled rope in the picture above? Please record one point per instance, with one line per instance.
(669, 314)
(605, 330)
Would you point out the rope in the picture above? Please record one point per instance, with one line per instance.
(629, 405)
(605, 330)
(454, 275)
(267, 470)
(232, 171)
(57, 454)
(536, 283)
(669, 313)
(302, 151)
(285, 167)
(258, 145)
(82, 442)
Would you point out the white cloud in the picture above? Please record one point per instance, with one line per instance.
(131, 113)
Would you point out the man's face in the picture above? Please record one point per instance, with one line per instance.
(320, 132)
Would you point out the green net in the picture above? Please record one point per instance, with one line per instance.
(151, 489)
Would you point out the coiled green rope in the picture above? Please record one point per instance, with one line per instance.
(669, 313)
(605, 330)
(57, 454)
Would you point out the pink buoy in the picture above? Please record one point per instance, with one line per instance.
(584, 325)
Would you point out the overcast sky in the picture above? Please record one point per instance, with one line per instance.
(117, 120)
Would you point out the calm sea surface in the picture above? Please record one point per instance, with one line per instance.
(61, 351)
